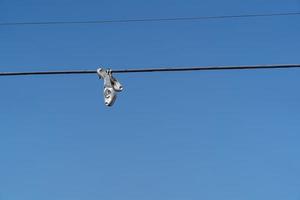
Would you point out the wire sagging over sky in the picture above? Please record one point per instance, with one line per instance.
(150, 19)
(162, 69)
(112, 86)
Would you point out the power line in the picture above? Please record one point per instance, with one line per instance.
(33, 73)
(147, 70)
(149, 19)
(208, 68)
(112, 86)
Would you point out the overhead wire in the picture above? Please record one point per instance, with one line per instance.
(149, 19)
(111, 86)
(162, 69)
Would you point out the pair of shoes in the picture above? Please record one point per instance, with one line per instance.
(111, 86)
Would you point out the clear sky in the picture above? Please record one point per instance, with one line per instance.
(170, 136)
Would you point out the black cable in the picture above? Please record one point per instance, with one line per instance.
(208, 68)
(47, 73)
(165, 69)
(148, 19)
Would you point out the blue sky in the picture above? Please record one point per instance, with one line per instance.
(204, 135)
